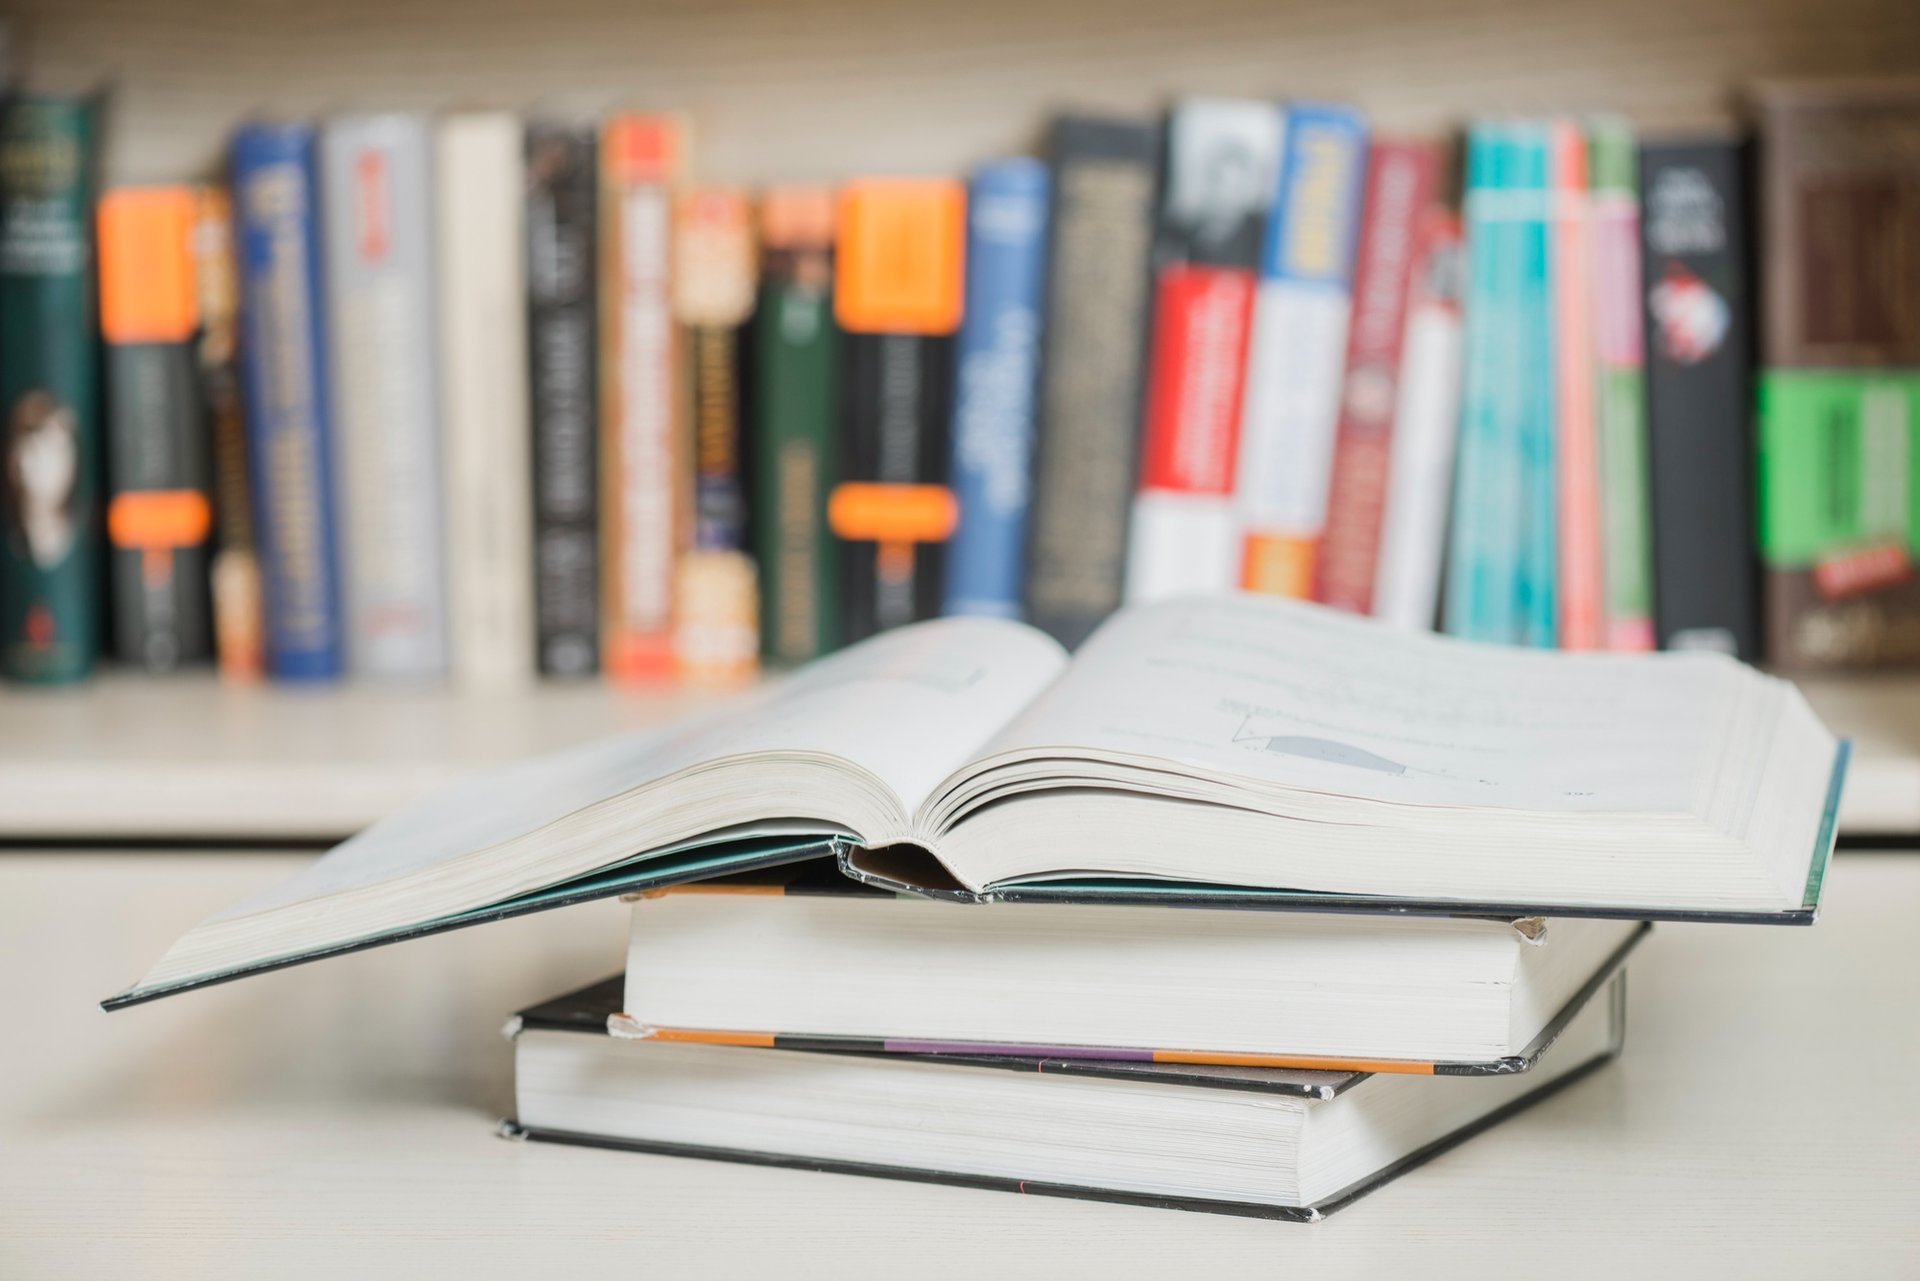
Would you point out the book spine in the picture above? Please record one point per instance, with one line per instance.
(1298, 342)
(1699, 320)
(1184, 536)
(480, 204)
(376, 178)
(1420, 474)
(50, 450)
(288, 414)
(1839, 501)
(1401, 178)
(237, 622)
(898, 280)
(562, 206)
(645, 459)
(996, 368)
(1094, 340)
(1538, 580)
(796, 416)
(1626, 516)
(159, 513)
(717, 629)
(1581, 564)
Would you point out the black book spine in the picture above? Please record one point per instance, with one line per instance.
(561, 199)
(1700, 393)
(897, 386)
(157, 465)
(1092, 369)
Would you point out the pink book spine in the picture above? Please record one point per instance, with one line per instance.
(1582, 582)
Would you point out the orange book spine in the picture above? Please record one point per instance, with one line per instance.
(646, 462)
(1582, 586)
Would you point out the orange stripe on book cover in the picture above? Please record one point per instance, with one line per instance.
(1582, 589)
(1304, 1062)
(708, 1036)
(148, 292)
(1279, 564)
(901, 249)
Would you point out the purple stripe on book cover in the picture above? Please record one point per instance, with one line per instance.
(1106, 1053)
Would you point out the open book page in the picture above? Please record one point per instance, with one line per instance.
(908, 706)
(1283, 693)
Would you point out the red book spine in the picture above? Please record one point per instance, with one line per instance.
(1192, 426)
(1401, 179)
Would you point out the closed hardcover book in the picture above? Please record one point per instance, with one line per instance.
(1297, 345)
(1216, 191)
(237, 623)
(49, 399)
(376, 176)
(1620, 340)
(288, 408)
(795, 394)
(898, 295)
(996, 369)
(480, 204)
(159, 509)
(562, 196)
(1839, 423)
(1402, 177)
(1094, 341)
(1413, 535)
(646, 464)
(1582, 569)
(717, 625)
(1696, 242)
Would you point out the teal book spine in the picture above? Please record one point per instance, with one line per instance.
(50, 555)
(1536, 567)
(1480, 595)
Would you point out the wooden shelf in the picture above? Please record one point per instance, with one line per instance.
(137, 758)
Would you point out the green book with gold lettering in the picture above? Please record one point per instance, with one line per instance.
(49, 409)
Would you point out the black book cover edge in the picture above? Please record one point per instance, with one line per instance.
(1244, 1209)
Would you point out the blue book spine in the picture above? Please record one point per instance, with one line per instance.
(284, 374)
(1479, 583)
(1537, 566)
(997, 356)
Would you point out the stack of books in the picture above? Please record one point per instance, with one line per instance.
(1247, 906)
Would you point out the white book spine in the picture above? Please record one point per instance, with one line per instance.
(483, 375)
(377, 185)
(1413, 533)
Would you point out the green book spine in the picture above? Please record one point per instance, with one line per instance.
(49, 411)
(1626, 500)
(795, 406)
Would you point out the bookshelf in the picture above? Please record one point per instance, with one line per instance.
(132, 758)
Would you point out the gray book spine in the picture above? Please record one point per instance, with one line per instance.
(377, 186)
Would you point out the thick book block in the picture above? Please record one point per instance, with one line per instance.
(481, 207)
(159, 510)
(1402, 176)
(562, 198)
(1297, 346)
(288, 405)
(1222, 154)
(796, 414)
(49, 399)
(646, 464)
(996, 369)
(1093, 361)
(1698, 280)
(376, 174)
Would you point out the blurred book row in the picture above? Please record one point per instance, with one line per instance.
(471, 395)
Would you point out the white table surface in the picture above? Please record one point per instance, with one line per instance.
(337, 1121)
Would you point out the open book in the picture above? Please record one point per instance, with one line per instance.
(1234, 751)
